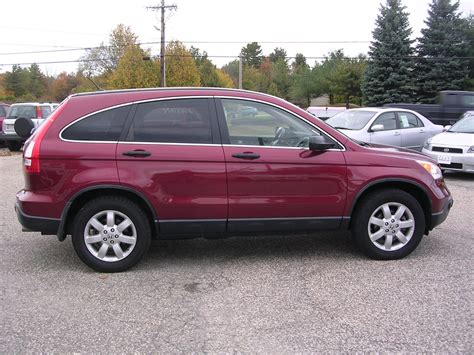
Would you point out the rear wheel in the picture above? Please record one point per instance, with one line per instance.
(389, 224)
(14, 146)
(111, 234)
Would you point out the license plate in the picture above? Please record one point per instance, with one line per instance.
(444, 159)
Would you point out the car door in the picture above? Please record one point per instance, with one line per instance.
(274, 182)
(413, 131)
(172, 154)
(389, 134)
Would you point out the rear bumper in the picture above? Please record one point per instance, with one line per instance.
(439, 217)
(11, 137)
(44, 225)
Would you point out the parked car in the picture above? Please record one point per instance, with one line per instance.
(451, 105)
(4, 108)
(396, 127)
(115, 169)
(35, 111)
(324, 112)
(454, 149)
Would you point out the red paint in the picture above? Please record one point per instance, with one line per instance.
(206, 182)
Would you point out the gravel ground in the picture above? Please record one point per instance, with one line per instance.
(308, 293)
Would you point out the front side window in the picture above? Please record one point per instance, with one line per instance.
(387, 120)
(253, 123)
(172, 121)
(103, 126)
(467, 100)
(409, 120)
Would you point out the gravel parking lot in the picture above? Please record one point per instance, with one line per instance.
(308, 293)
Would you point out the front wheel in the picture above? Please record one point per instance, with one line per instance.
(389, 224)
(111, 234)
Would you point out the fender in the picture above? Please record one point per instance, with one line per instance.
(62, 225)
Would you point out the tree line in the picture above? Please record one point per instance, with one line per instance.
(395, 70)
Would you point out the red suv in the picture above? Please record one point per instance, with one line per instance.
(115, 169)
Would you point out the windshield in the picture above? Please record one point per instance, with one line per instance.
(466, 125)
(324, 113)
(352, 120)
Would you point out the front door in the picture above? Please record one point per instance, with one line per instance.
(173, 155)
(389, 133)
(275, 182)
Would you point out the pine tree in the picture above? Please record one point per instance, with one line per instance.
(389, 74)
(441, 47)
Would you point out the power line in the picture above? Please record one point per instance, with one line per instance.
(236, 57)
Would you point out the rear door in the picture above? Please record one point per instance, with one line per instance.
(390, 134)
(412, 130)
(275, 182)
(172, 154)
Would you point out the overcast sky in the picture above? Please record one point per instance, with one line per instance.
(55, 24)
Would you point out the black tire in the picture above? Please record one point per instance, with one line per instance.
(369, 205)
(14, 146)
(125, 207)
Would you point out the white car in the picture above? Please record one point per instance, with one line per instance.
(389, 126)
(324, 112)
(454, 149)
(35, 111)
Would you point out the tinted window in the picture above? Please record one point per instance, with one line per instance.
(387, 120)
(3, 111)
(467, 100)
(102, 126)
(172, 121)
(253, 123)
(45, 111)
(409, 120)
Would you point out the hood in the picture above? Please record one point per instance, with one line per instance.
(454, 139)
(397, 152)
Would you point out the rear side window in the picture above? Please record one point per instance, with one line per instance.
(409, 120)
(45, 111)
(3, 111)
(172, 121)
(103, 126)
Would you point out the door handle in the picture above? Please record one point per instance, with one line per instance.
(247, 156)
(396, 133)
(137, 153)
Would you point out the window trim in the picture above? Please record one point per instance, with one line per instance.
(397, 122)
(128, 121)
(215, 133)
(418, 119)
(225, 133)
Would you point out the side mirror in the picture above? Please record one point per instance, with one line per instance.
(24, 127)
(445, 128)
(319, 143)
(377, 128)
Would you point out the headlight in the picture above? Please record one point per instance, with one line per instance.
(433, 169)
(427, 145)
(471, 149)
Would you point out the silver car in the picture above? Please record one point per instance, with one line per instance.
(454, 149)
(390, 126)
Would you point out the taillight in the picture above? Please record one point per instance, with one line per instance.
(31, 151)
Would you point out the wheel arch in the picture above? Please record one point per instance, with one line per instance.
(412, 187)
(81, 197)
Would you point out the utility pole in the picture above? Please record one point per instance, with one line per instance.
(162, 8)
(240, 71)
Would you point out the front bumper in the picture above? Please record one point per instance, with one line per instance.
(439, 217)
(48, 226)
(459, 161)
